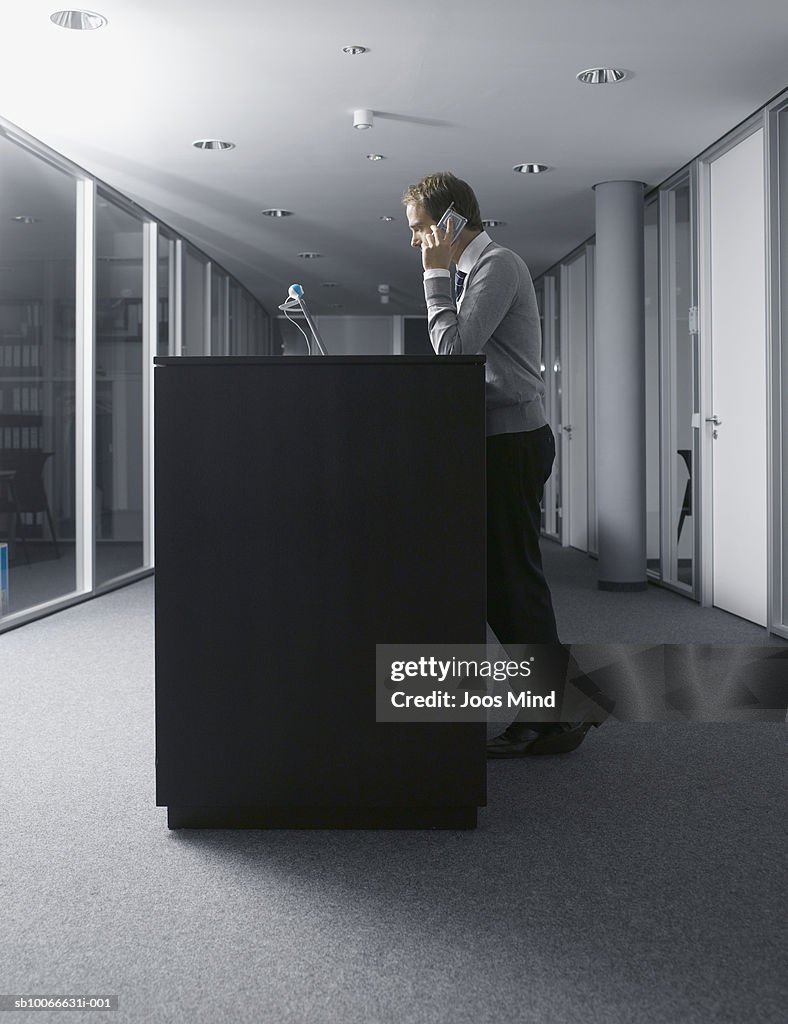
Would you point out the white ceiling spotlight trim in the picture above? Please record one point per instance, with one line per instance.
(310, 255)
(354, 51)
(213, 144)
(24, 218)
(82, 21)
(601, 76)
(362, 119)
(275, 212)
(493, 223)
(375, 156)
(531, 168)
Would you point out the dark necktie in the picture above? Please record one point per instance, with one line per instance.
(459, 283)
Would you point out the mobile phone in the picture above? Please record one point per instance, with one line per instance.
(458, 222)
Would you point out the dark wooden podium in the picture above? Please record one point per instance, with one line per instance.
(308, 509)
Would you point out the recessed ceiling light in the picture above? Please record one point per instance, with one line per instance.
(213, 144)
(329, 284)
(493, 223)
(531, 168)
(601, 76)
(277, 213)
(310, 255)
(23, 218)
(375, 156)
(83, 21)
(388, 220)
(355, 50)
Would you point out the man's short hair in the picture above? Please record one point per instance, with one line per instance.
(438, 191)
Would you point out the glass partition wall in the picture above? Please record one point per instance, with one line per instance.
(118, 512)
(539, 288)
(778, 224)
(688, 359)
(89, 292)
(165, 274)
(196, 334)
(653, 348)
(680, 385)
(220, 285)
(37, 379)
(671, 385)
(546, 296)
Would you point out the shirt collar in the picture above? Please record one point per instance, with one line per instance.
(472, 252)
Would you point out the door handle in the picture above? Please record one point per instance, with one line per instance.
(715, 420)
(568, 429)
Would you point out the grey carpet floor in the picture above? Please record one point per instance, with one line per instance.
(640, 880)
(588, 615)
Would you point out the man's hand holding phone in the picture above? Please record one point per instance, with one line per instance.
(437, 244)
(436, 249)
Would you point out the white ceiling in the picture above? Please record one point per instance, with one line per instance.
(469, 87)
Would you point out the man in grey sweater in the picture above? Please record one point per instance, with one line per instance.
(492, 309)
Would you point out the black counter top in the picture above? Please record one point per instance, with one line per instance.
(313, 360)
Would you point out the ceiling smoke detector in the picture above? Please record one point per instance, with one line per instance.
(362, 119)
(601, 76)
(82, 21)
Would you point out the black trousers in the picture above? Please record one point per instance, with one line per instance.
(519, 605)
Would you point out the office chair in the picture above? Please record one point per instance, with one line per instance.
(25, 491)
(686, 503)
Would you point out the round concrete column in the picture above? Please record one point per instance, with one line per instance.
(619, 343)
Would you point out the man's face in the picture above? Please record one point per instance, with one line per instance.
(420, 223)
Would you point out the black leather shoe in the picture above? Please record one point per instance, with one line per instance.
(522, 740)
(561, 738)
(513, 741)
